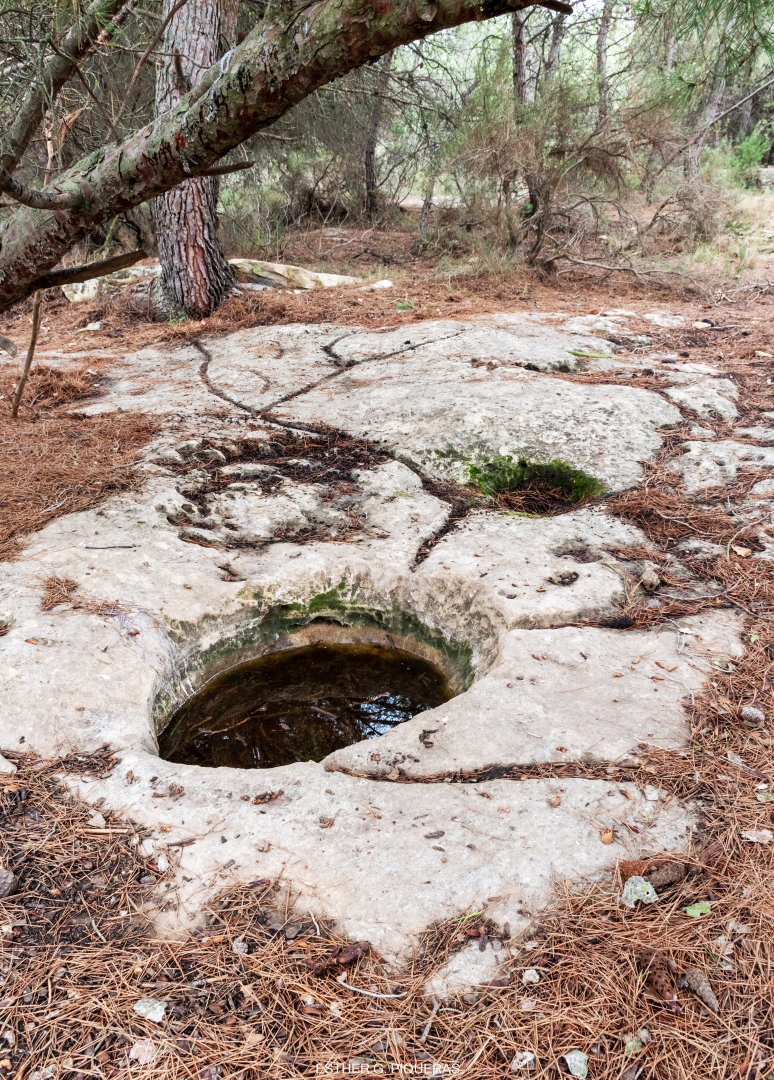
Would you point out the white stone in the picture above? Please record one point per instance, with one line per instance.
(7, 768)
(463, 972)
(664, 319)
(512, 844)
(384, 283)
(707, 464)
(439, 412)
(710, 398)
(144, 1051)
(524, 1059)
(569, 694)
(287, 276)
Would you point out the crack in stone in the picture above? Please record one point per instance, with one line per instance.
(611, 771)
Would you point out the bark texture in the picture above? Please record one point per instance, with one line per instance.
(194, 271)
(288, 56)
(371, 180)
(519, 56)
(557, 33)
(602, 80)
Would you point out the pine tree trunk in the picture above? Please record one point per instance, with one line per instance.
(519, 55)
(194, 272)
(602, 80)
(371, 180)
(557, 33)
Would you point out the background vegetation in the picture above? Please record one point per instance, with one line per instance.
(622, 135)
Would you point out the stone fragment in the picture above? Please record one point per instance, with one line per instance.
(166, 457)
(708, 464)
(287, 276)
(524, 1059)
(577, 1063)
(463, 972)
(758, 836)
(751, 715)
(7, 768)
(710, 398)
(638, 889)
(144, 1051)
(150, 1009)
(9, 883)
(248, 470)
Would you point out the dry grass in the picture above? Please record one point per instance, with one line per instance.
(57, 462)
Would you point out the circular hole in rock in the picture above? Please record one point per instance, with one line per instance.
(300, 705)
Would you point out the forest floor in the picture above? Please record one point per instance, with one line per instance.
(251, 991)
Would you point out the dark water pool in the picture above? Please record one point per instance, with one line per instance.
(301, 705)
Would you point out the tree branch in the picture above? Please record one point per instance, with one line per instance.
(77, 44)
(82, 79)
(38, 200)
(222, 170)
(72, 275)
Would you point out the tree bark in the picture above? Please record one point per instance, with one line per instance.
(283, 60)
(519, 54)
(557, 33)
(371, 181)
(602, 81)
(194, 272)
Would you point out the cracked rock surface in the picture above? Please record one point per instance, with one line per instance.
(302, 489)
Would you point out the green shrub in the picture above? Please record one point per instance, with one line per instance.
(748, 155)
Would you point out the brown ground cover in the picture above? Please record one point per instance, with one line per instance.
(56, 462)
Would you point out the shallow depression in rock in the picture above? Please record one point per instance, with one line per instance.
(300, 705)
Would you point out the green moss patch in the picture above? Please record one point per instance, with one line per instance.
(534, 486)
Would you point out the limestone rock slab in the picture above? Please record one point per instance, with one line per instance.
(707, 464)
(257, 367)
(380, 344)
(379, 851)
(439, 413)
(466, 970)
(158, 380)
(710, 398)
(535, 571)
(571, 694)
